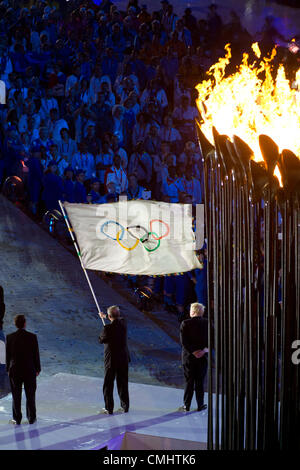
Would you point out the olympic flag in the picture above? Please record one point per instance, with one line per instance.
(135, 237)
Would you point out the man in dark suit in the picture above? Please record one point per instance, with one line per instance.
(194, 341)
(23, 366)
(116, 358)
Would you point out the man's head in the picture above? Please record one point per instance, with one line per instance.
(168, 121)
(180, 169)
(111, 187)
(53, 114)
(95, 185)
(53, 149)
(69, 173)
(64, 133)
(132, 180)
(197, 310)
(153, 131)
(80, 176)
(52, 166)
(117, 160)
(116, 27)
(189, 148)
(90, 131)
(113, 312)
(172, 171)
(20, 321)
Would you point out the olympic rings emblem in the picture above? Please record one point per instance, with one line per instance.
(149, 239)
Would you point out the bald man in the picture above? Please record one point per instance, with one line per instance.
(116, 359)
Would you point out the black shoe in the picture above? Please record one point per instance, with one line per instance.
(202, 407)
(32, 421)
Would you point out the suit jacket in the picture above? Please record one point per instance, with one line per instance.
(22, 354)
(114, 338)
(193, 336)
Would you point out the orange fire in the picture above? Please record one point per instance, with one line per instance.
(250, 102)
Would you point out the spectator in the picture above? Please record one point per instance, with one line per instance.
(169, 134)
(116, 41)
(152, 143)
(171, 187)
(116, 148)
(134, 191)
(55, 125)
(72, 79)
(48, 103)
(214, 26)
(144, 16)
(66, 147)
(35, 178)
(192, 186)
(109, 64)
(93, 143)
(84, 160)
(111, 195)
(155, 92)
(95, 84)
(101, 113)
(158, 38)
(105, 87)
(184, 117)
(190, 22)
(142, 38)
(169, 65)
(184, 33)
(84, 92)
(13, 152)
(126, 82)
(140, 129)
(140, 163)
(104, 161)
(119, 129)
(68, 185)
(169, 19)
(94, 196)
(192, 157)
(53, 187)
(79, 188)
(117, 175)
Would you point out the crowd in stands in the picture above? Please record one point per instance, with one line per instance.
(101, 103)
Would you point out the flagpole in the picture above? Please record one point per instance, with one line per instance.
(80, 259)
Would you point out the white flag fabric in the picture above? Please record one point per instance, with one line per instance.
(135, 237)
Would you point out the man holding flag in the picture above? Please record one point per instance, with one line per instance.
(116, 359)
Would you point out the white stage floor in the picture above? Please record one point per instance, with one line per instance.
(68, 419)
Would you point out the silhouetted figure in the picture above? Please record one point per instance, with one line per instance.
(2, 307)
(194, 341)
(23, 366)
(116, 359)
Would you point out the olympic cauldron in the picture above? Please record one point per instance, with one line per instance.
(248, 132)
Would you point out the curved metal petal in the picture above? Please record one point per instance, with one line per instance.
(205, 146)
(270, 152)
